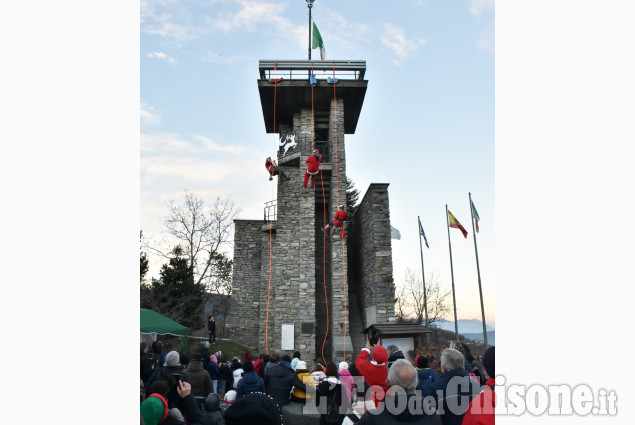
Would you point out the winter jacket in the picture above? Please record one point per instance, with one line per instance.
(481, 409)
(212, 413)
(427, 377)
(146, 368)
(318, 377)
(456, 388)
(213, 370)
(190, 410)
(404, 417)
(304, 376)
(314, 164)
(279, 380)
(238, 375)
(257, 366)
(331, 390)
(374, 371)
(250, 383)
(199, 379)
(347, 380)
(394, 357)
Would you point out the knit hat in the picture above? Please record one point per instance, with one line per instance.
(342, 366)
(230, 396)
(213, 358)
(301, 365)
(172, 359)
(488, 362)
(380, 355)
(416, 359)
(315, 151)
(154, 409)
(254, 408)
(212, 402)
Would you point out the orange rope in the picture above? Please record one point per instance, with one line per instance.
(326, 299)
(312, 116)
(337, 194)
(275, 91)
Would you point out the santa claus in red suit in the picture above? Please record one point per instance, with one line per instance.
(273, 169)
(338, 220)
(313, 168)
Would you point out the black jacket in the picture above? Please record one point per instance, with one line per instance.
(332, 391)
(211, 326)
(146, 368)
(418, 417)
(279, 380)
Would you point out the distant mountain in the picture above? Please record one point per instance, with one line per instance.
(466, 326)
(491, 336)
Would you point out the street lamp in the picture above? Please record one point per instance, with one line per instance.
(309, 3)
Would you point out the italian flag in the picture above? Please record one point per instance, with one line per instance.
(317, 42)
(455, 223)
(475, 216)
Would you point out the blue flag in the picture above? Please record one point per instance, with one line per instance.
(423, 233)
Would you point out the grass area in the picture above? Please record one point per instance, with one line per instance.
(229, 348)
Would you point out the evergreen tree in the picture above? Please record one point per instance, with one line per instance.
(175, 294)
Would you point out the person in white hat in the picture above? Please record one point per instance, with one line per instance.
(313, 168)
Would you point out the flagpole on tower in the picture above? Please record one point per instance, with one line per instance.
(310, 5)
(456, 323)
(478, 270)
(423, 278)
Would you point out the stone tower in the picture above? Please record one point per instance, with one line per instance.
(295, 286)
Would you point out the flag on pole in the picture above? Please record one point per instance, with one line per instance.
(455, 223)
(475, 215)
(423, 234)
(317, 42)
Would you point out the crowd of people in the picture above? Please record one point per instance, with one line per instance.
(211, 390)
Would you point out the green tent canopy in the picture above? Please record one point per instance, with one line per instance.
(155, 323)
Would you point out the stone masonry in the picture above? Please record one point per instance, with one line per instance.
(289, 272)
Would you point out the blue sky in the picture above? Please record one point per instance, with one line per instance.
(426, 126)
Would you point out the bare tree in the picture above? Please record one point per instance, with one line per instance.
(410, 301)
(205, 234)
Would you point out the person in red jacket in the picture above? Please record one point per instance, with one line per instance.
(273, 170)
(482, 407)
(338, 220)
(375, 372)
(313, 168)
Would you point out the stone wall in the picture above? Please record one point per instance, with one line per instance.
(339, 251)
(295, 285)
(371, 263)
(243, 323)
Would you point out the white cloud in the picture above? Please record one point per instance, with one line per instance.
(480, 6)
(161, 55)
(395, 39)
(170, 143)
(254, 13)
(147, 115)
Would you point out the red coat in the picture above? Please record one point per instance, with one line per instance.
(481, 409)
(340, 215)
(269, 164)
(314, 164)
(374, 372)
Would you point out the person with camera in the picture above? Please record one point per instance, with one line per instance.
(374, 370)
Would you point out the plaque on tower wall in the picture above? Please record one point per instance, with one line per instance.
(288, 145)
(287, 337)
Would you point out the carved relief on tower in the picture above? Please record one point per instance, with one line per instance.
(288, 145)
